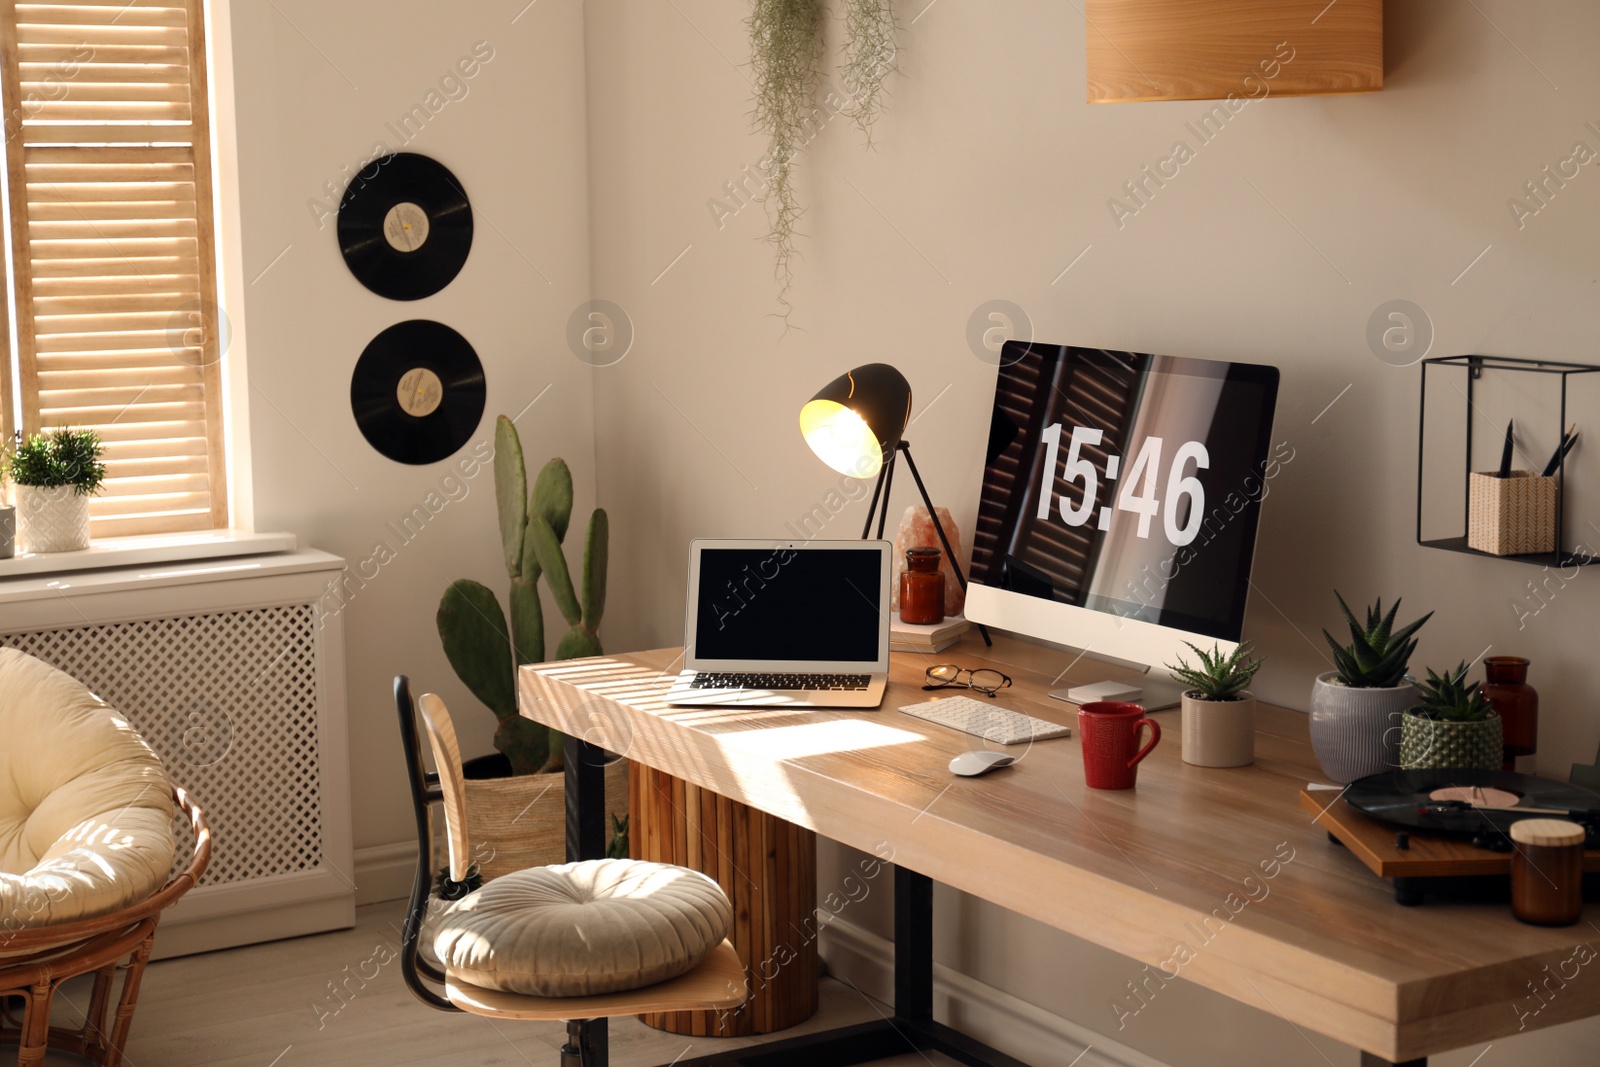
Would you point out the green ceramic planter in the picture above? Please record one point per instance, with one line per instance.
(1426, 744)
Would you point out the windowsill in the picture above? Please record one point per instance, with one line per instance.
(155, 548)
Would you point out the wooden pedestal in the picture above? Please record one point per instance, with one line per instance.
(768, 868)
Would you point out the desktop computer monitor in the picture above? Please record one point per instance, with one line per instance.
(1120, 502)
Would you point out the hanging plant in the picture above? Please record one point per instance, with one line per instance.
(786, 46)
(786, 43)
(869, 53)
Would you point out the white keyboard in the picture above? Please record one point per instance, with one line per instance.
(982, 719)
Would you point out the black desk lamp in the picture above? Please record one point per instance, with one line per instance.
(854, 424)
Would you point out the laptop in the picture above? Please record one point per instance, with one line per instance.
(786, 623)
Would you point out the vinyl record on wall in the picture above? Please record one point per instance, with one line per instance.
(405, 232)
(417, 391)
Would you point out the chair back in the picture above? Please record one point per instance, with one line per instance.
(452, 783)
(426, 790)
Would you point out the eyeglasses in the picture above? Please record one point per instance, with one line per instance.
(948, 676)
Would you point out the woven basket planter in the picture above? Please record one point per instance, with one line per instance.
(1511, 516)
(55, 518)
(1426, 744)
(521, 821)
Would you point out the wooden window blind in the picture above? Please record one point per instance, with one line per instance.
(108, 158)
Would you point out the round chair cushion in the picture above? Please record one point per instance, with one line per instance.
(85, 806)
(579, 929)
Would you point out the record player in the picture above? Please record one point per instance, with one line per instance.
(1446, 831)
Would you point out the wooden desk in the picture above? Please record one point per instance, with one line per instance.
(1222, 863)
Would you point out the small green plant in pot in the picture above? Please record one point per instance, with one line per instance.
(1356, 708)
(8, 510)
(1219, 712)
(1452, 725)
(55, 474)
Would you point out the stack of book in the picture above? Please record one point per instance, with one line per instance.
(910, 637)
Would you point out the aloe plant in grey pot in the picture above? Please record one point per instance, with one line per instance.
(1356, 708)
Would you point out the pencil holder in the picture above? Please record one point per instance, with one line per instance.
(1511, 516)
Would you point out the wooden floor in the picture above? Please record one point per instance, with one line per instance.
(273, 1005)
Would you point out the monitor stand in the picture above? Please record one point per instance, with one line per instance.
(1157, 692)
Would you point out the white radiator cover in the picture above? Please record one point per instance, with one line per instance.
(234, 674)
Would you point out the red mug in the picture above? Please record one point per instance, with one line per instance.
(1108, 732)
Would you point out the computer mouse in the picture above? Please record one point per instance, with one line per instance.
(981, 761)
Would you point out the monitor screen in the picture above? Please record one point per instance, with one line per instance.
(1125, 483)
(788, 603)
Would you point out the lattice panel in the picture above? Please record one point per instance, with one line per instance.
(229, 702)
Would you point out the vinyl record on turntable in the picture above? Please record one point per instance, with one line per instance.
(1468, 801)
(417, 391)
(405, 232)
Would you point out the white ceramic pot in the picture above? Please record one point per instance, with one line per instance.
(1219, 733)
(1356, 732)
(8, 531)
(55, 518)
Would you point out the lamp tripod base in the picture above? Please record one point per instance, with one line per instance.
(880, 496)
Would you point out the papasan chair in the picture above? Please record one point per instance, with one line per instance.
(86, 850)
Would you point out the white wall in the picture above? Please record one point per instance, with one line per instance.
(316, 85)
(1275, 245)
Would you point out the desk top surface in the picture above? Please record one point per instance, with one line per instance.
(1213, 875)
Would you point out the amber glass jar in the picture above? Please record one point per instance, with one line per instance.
(1506, 686)
(922, 587)
(1547, 871)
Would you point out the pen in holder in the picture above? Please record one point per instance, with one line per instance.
(1511, 516)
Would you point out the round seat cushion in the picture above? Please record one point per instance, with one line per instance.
(579, 929)
(85, 805)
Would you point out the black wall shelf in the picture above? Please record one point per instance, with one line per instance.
(1474, 368)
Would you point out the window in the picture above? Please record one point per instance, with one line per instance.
(111, 251)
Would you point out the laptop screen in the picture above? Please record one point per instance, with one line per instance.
(789, 603)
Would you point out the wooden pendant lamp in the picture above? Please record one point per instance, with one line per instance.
(1221, 49)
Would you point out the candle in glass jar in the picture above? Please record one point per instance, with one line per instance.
(1547, 871)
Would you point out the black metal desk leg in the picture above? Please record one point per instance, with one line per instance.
(586, 800)
(1369, 1060)
(913, 945)
(585, 780)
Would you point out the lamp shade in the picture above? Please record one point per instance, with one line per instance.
(855, 421)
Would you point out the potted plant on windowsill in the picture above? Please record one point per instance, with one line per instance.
(8, 510)
(1219, 713)
(1356, 708)
(1453, 725)
(508, 830)
(55, 474)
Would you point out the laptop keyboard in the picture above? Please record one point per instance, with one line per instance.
(814, 682)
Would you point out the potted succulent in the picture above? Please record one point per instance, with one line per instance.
(1452, 725)
(507, 831)
(1219, 713)
(55, 474)
(1355, 708)
(8, 511)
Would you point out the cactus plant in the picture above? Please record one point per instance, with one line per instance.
(1378, 654)
(482, 648)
